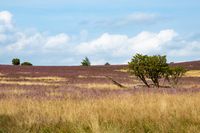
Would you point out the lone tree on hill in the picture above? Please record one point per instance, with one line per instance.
(86, 62)
(16, 61)
(154, 67)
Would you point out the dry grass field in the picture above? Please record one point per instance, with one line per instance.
(85, 100)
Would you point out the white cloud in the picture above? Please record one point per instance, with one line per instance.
(57, 41)
(122, 45)
(188, 49)
(113, 48)
(24, 42)
(104, 43)
(5, 21)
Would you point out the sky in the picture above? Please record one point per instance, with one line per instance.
(63, 32)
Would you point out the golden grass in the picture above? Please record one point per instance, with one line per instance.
(124, 70)
(136, 113)
(27, 83)
(50, 79)
(97, 76)
(53, 94)
(14, 91)
(81, 76)
(44, 79)
(101, 86)
(192, 73)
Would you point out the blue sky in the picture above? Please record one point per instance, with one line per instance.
(62, 32)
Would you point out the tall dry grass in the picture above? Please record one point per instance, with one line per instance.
(115, 114)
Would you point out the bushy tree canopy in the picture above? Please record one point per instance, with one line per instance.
(137, 66)
(154, 67)
(16, 61)
(86, 62)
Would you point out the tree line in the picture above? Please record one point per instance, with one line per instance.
(16, 62)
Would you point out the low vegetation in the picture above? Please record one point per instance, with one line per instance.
(96, 86)
(192, 73)
(26, 64)
(107, 64)
(154, 67)
(139, 113)
(100, 99)
(174, 74)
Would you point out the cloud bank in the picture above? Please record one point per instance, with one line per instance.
(63, 49)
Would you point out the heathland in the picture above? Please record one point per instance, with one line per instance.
(87, 99)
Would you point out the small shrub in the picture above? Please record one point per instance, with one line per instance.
(175, 73)
(86, 62)
(16, 61)
(26, 64)
(107, 64)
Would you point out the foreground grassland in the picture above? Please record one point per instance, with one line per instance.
(138, 113)
(87, 100)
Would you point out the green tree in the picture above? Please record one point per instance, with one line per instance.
(174, 74)
(137, 66)
(152, 67)
(16, 61)
(156, 67)
(86, 62)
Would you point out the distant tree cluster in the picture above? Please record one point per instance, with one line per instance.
(154, 67)
(16, 62)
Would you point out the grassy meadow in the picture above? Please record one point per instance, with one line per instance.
(90, 103)
(115, 114)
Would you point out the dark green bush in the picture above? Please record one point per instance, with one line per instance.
(174, 74)
(26, 64)
(107, 64)
(16, 61)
